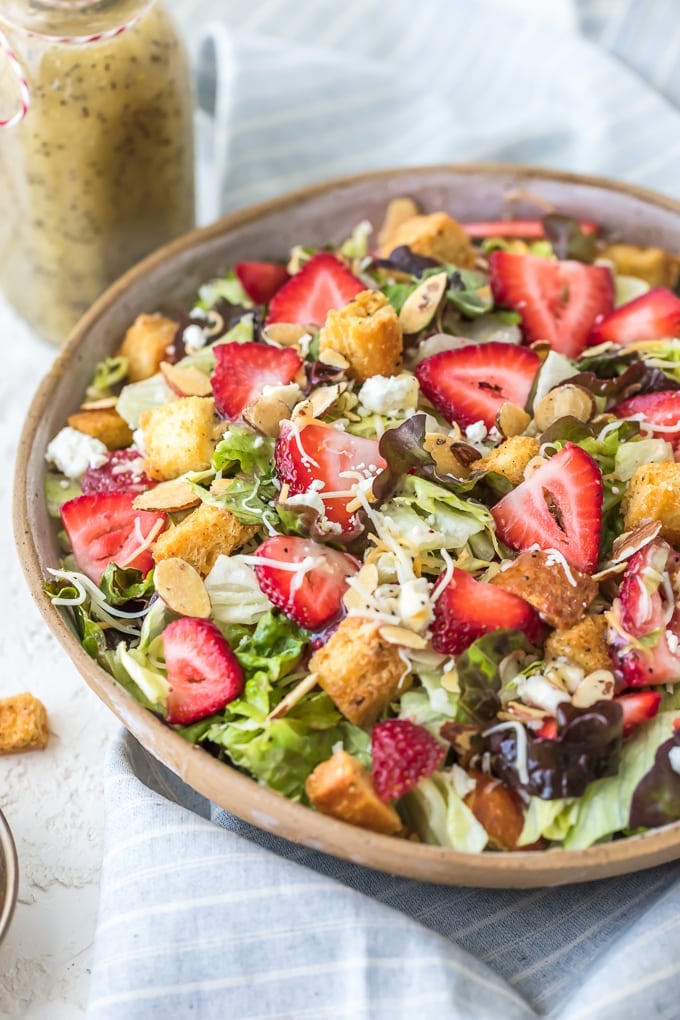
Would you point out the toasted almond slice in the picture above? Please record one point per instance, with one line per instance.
(170, 496)
(334, 359)
(368, 577)
(99, 405)
(291, 699)
(323, 397)
(450, 681)
(399, 211)
(188, 381)
(181, 588)
(596, 686)
(512, 420)
(527, 713)
(220, 486)
(628, 544)
(567, 399)
(352, 599)
(419, 308)
(440, 448)
(266, 414)
(285, 334)
(402, 636)
(609, 571)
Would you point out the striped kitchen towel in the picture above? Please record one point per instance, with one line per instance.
(201, 915)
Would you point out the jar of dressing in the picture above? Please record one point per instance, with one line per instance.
(96, 151)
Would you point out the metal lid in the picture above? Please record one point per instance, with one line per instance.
(9, 875)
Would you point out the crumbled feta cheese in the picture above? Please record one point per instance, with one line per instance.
(674, 759)
(194, 337)
(310, 498)
(390, 395)
(537, 691)
(138, 442)
(672, 642)
(462, 783)
(415, 608)
(73, 452)
(476, 432)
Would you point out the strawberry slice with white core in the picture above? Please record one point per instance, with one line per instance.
(644, 624)
(467, 609)
(261, 280)
(321, 285)
(651, 316)
(558, 507)
(528, 230)
(472, 383)
(336, 461)
(559, 301)
(638, 707)
(105, 528)
(662, 408)
(203, 672)
(304, 579)
(243, 370)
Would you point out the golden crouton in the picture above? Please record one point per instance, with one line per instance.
(437, 236)
(654, 495)
(582, 644)
(178, 437)
(105, 424)
(146, 344)
(341, 787)
(658, 267)
(204, 534)
(540, 579)
(367, 333)
(359, 670)
(510, 458)
(23, 724)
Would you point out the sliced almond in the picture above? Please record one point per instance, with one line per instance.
(368, 577)
(440, 448)
(628, 544)
(402, 636)
(352, 599)
(171, 496)
(99, 405)
(512, 420)
(266, 415)
(534, 464)
(526, 713)
(220, 485)
(291, 699)
(419, 308)
(334, 359)
(596, 686)
(286, 334)
(181, 588)
(186, 382)
(609, 571)
(564, 400)
(399, 211)
(322, 398)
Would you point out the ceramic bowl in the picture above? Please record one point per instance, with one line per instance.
(9, 876)
(318, 215)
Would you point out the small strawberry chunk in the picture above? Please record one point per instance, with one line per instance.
(203, 672)
(261, 280)
(122, 472)
(528, 230)
(651, 316)
(467, 609)
(558, 507)
(559, 301)
(310, 581)
(472, 383)
(547, 730)
(336, 460)
(644, 629)
(402, 754)
(662, 408)
(105, 528)
(243, 370)
(638, 707)
(323, 284)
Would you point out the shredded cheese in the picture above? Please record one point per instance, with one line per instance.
(521, 760)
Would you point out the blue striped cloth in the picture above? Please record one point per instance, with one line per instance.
(201, 915)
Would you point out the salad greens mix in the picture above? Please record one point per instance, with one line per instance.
(395, 528)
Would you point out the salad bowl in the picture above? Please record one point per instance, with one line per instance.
(317, 216)
(9, 876)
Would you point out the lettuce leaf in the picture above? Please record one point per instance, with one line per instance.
(430, 517)
(135, 398)
(58, 490)
(123, 584)
(437, 812)
(227, 287)
(235, 594)
(243, 449)
(656, 798)
(479, 676)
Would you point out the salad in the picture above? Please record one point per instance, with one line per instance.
(394, 528)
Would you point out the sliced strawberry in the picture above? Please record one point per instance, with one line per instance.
(651, 316)
(323, 454)
(638, 707)
(323, 284)
(309, 584)
(243, 370)
(261, 280)
(558, 507)
(402, 754)
(122, 472)
(662, 408)
(528, 230)
(644, 629)
(104, 528)
(203, 672)
(471, 383)
(559, 301)
(467, 609)
(548, 729)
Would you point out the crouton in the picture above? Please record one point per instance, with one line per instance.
(178, 437)
(658, 267)
(341, 787)
(203, 535)
(654, 495)
(367, 333)
(583, 644)
(510, 458)
(500, 810)
(359, 670)
(540, 579)
(23, 724)
(437, 236)
(104, 424)
(146, 344)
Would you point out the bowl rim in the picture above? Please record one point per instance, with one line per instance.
(267, 808)
(8, 851)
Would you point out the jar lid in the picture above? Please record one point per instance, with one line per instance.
(70, 18)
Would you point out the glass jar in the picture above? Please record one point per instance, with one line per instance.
(100, 170)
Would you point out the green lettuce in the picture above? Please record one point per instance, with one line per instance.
(437, 812)
(58, 490)
(244, 449)
(479, 674)
(122, 584)
(108, 374)
(430, 517)
(228, 287)
(135, 398)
